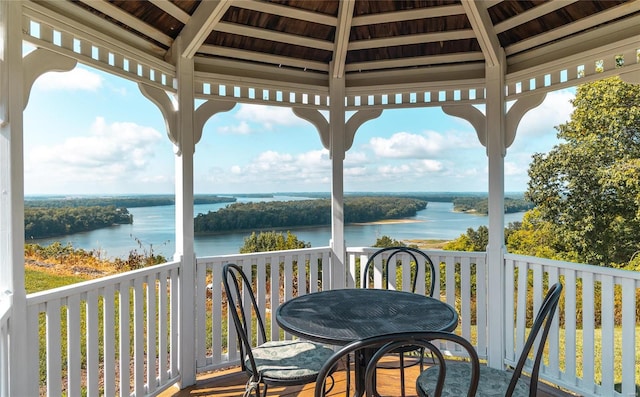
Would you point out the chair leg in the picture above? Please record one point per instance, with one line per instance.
(348, 373)
(402, 374)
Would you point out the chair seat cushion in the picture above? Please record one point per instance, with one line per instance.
(289, 360)
(493, 382)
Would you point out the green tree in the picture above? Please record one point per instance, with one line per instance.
(272, 241)
(587, 187)
(473, 240)
(386, 241)
(535, 237)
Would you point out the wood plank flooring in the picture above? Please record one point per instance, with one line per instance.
(231, 383)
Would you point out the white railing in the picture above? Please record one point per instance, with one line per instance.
(273, 284)
(455, 283)
(593, 348)
(111, 328)
(459, 271)
(5, 318)
(111, 336)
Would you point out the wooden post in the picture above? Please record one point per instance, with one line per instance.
(12, 194)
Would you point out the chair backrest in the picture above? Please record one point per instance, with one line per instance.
(542, 322)
(238, 289)
(390, 342)
(417, 259)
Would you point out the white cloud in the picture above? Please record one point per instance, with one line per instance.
(76, 79)
(404, 145)
(430, 166)
(274, 169)
(555, 110)
(240, 129)
(268, 116)
(514, 169)
(109, 152)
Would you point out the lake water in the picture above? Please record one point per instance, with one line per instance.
(154, 227)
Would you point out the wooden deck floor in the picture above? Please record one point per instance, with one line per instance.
(231, 382)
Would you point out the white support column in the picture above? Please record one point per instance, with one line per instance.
(185, 251)
(337, 128)
(496, 121)
(12, 193)
(325, 131)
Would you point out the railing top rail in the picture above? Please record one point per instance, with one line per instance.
(267, 254)
(579, 267)
(438, 252)
(92, 285)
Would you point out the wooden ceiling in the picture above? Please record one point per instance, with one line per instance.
(368, 42)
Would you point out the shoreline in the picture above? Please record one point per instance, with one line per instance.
(389, 222)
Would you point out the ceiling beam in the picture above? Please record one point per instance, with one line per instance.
(264, 58)
(482, 25)
(285, 11)
(529, 15)
(343, 30)
(128, 20)
(585, 24)
(416, 61)
(399, 16)
(434, 37)
(259, 33)
(172, 9)
(199, 26)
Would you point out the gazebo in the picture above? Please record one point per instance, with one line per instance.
(353, 58)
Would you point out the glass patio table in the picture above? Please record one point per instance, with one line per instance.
(341, 316)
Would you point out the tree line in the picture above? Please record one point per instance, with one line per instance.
(120, 202)
(480, 205)
(586, 189)
(316, 212)
(42, 222)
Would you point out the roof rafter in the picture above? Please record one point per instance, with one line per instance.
(482, 25)
(203, 20)
(343, 30)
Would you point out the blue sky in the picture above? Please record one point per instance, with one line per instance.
(87, 132)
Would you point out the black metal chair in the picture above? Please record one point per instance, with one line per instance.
(287, 362)
(385, 344)
(496, 382)
(417, 258)
(382, 260)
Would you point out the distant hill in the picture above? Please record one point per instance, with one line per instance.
(118, 201)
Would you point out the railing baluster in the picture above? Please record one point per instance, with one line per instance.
(553, 367)
(570, 293)
(73, 346)
(109, 341)
(629, 337)
(93, 355)
(138, 335)
(465, 297)
(607, 325)
(123, 347)
(54, 370)
(588, 334)
(261, 292)
(151, 355)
